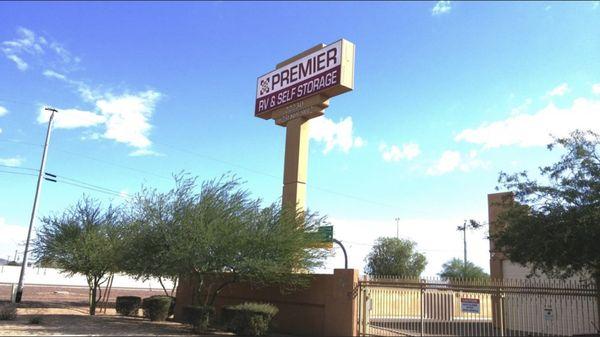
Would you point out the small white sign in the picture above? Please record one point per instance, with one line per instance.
(470, 305)
(548, 314)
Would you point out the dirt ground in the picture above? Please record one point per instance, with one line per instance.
(64, 311)
(76, 321)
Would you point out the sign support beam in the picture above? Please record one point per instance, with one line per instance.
(296, 163)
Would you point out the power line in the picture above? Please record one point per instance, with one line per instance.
(20, 168)
(19, 173)
(73, 182)
(272, 176)
(278, 177)
(91, 158)
(221, 161)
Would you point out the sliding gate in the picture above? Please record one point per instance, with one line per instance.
(433, 307)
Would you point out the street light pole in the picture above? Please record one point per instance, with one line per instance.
(397, 228)
(19, 294)
(465, 242)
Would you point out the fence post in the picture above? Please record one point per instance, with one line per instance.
(501, 309)
(364, 312)
(422, 307)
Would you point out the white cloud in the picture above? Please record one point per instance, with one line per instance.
(535, 129)
(71, 118)
(558, 91)
(83, 89)
(36, 48)
(21, 65)
(14, 161)
(441, 7)
(394, 153)
(323, 129)
(3, 111)
(127, 117)
(124, 193)
(453, 160)
(145, 152)
(596, 88)
(359, 142)
(11, 236)
(448, 162)
(54, 74)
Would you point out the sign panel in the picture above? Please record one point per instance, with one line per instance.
(470, 305)
(326, 233)
(328, 71)
(548, 314)
(323, 237)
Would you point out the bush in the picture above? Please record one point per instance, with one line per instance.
(172, 307)
(157, 307)
(249, 319)
(198, 316)
(128, 305)
(35, 320)
(8, 312)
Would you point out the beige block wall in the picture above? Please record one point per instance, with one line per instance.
(325, 308)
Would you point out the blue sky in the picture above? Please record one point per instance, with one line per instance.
(447, 95)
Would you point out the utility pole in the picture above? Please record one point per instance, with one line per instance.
(397, 228)
(465, 242)
(35, 204)
(468, 224)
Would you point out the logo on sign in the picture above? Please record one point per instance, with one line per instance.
(264, 86)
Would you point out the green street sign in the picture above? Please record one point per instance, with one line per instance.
(325, 234)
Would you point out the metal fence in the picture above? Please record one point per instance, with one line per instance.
(529, 307)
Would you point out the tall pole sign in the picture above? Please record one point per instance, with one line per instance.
(297, 90)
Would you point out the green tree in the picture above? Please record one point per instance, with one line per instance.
(395, 257)
(82, 240)
(455, 269)
(153, 220)
(554, 225)
(223, 236)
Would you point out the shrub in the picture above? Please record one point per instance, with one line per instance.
(172, 307)
(128, 305)
(157, 307)
(198, 316)
(249, 319)
(8, 312)
(35, 320)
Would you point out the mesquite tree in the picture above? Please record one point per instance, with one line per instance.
(228, 237)
(153, 219)
(82, 240)
(216, 234)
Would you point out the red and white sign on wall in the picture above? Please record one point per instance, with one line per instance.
(470, 305)
(328, 71)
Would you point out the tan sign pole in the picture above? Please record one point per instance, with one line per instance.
(296, 91)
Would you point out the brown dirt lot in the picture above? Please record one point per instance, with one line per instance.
(75, 321)
(64, 311)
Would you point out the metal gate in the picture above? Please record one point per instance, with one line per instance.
(404, 307)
